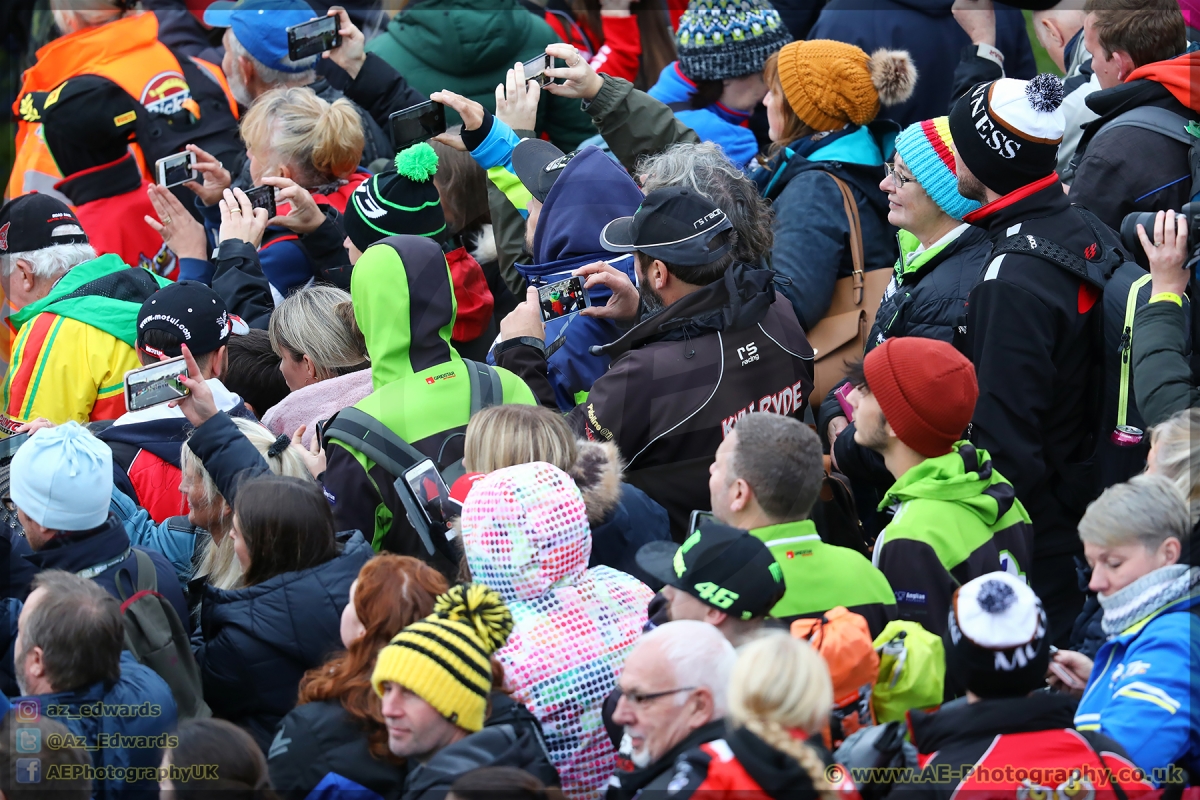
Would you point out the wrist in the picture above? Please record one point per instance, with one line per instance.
(987, 50)
(594, 85)
(354, 66)
(1166, 297)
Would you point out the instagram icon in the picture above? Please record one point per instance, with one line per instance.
(27, 711)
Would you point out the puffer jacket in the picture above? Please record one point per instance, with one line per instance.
(257, 642)
(1165, 359)
(525, 535)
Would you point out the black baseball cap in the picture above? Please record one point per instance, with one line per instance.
(29, 223)
(538, 164)
(87, 121)
(673, 224)
(725, 567)
(193, 313)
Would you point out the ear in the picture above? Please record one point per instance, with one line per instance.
(714, 617)
(246, 67)
(218, 364)
(286, 171)
(35, 664)
(309, 368)
(1052, 31)
(703, 709)
(742, 495)
(1171, 550)
(659, 275)
(25, 275)
(1124, 63)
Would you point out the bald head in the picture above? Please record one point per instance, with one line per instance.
(1056, 26)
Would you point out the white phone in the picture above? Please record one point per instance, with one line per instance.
(176, 169)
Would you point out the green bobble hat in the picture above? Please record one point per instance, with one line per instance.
(400, 202)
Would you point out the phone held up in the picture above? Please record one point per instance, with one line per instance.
(699, 518)
(563, 297)
(262, 197)
(155, 384)
(313, 37)
(177, 169)
(417, 124)
(535, 69)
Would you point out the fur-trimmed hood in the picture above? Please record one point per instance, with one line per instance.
(597, 473)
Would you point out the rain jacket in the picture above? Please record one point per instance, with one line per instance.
(468, 46)
(75, 345)
(526, 535)
(404, 305)
(956, 518)
(726, 126)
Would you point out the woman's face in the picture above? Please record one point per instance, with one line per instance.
(776, 120)
(201, 513)
(1114, 568)
(239, 545)
(296, 371)
(909, 207)
(352, 627)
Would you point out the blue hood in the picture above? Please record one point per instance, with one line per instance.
(716, 123)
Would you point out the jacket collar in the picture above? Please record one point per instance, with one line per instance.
(633, 782)
(80, 550)
(776, 772)
(1042, 198)
(787, 532)
(1039, 711)
(105, 180)
(914, 261)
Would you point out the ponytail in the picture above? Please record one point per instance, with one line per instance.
(337, 139)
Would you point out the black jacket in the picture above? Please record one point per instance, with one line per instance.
(257, 643)
(681, 378)
(1164, 360)
(654, 778)
(701, 772)
(378, 89)
(1030, 335)
(503, 745)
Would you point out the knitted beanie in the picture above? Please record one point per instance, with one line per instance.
(62, 478)
(926, 390)
(998, 642)
(925, 148)
(829, 84)
(404, 201)
(445, 659)
(719, 39)
(1007, 132)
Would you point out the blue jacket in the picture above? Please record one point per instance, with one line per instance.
(727, 127)
(258, 642)
(139, 704)
(929, 33)
(1142, 689)
(175, 543)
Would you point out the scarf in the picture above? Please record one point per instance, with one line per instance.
(1146, 595)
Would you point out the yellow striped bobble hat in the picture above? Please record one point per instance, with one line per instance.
(445, 659)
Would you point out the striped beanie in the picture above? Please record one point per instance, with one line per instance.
(720, 39)
(445, 659)
(404, 201)
(925, 148)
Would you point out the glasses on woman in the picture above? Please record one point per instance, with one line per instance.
(897, 177)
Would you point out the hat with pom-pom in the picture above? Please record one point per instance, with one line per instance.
(445, 659)
(720, 39)
(403, 201)
(997, 634)
(1007, 132)
(830, 84)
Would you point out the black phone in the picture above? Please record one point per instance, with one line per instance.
(563, 297)
(535, 69)
(320, 430)
(699, 518)
(9, 445)
(417, 124)
(312, 37)
(262, 197)
(422, 492)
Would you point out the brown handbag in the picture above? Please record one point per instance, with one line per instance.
(841, 335)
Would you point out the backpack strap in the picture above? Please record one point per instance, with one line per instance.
(1152, 118)
(373, 439)
(1040, 247)
(486, 389)
(147, 575)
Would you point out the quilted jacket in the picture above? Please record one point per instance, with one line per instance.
(259, 641)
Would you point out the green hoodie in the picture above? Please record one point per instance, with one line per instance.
(468, 46)
(956, 518)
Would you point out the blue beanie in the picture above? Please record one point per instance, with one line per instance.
(925, 148)
(62, 478)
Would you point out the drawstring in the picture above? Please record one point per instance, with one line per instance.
(687, 342)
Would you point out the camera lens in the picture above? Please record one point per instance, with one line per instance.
(1129, 235)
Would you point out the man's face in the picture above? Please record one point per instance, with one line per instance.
(415, 728)
(651, 299)
(654, 726)
(870, 428)
(720, 479)
(968, 185)
(1105, 65)
(35, 534)
(26, 682)
(531, 221)
(233, 76)
(681, 605)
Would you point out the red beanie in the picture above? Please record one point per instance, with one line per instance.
(926, 390)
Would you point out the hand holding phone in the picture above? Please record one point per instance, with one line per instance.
(417, 124)
(262, 197)
(155, 384)
(842, 393)
(176, 170)
(535, 69)
(310, 38)
(563, 297)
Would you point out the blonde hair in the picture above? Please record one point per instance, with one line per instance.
(320, 140)
(1178, 455)
(217, 563)
(778, 685)
(504, 436)
(318, 321)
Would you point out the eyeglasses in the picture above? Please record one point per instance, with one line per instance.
(895, 175)
(639, 699)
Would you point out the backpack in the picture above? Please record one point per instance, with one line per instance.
(912, 670)
(1125, 286)
(844, 641)
(157, 639)
(1151, 118)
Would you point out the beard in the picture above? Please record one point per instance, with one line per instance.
(971, 187)
(874, 438)
(640, 758)
(19, 662)
(652, 301)
(238, 89)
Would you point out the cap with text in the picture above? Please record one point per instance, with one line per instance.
(675, 225)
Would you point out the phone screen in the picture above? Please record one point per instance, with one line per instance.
(155, 384)
(312, 37)
(535, 69)
(416, 124)
(176, 169)
(429, 490)
(699, 518)
(562, 298)
(9, 445)
(262, 197)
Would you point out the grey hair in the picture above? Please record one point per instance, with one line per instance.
(1147, 510)
(52, 261)
(277, 77)
(703, 168)
(700, 655)
(1177, 455)
(79, 628)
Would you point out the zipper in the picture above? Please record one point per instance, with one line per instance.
(1126, 346)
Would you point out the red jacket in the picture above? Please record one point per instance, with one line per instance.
(618, 52)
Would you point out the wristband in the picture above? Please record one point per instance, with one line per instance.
(990, 53)
(1164, 296)
(520, 341)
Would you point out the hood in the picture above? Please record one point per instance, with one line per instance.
(139, 687)
(779, 775)
(404, 305)
(1039, 711)
(591, 192)
(963, 476)
(525, 531)
(161, 430)
(597, 473)
(675, 87)
(79, 550)
(494, 746)
(868, 145)
(912, 262)
(1176, 75)
(463, 37)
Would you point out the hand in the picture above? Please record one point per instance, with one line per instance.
(517, 100)
(451, 138)
(33, 426)
(525, 319)
(178, 228)
(836, 426)
(472, 113)
(351, 54)
(304, 216)
(1168, 253)
(216, 177)
(977, 18)
(199, 406)
(239, 220)
(314, 456)
(625, 300)
(577, 77)
(1069, 672)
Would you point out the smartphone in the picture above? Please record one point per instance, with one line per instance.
(312, 37)
(155, 384)
(416, 124)
(842, 393)
(262, 197)
(563, 297)
(535, 69)
(176, 169)
(9, 445)
(320, 430)
(700, 518)
(429, 490)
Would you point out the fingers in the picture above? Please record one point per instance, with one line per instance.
(244, 203)
(1143, 238)
(451, 140)
(297, 436)
(594, 267)
(1160, 221)
(204, 166)
(202, 156)
(193, 370)
(155, 225)
(283, 184)
(1181, 232)
(562, 51)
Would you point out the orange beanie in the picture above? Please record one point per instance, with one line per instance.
(829, 84)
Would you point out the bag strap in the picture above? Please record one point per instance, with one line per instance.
(1041, 247)
(147, 575)
(1112, 781)
(1159, 120)
(856, 239)
(373, 439)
